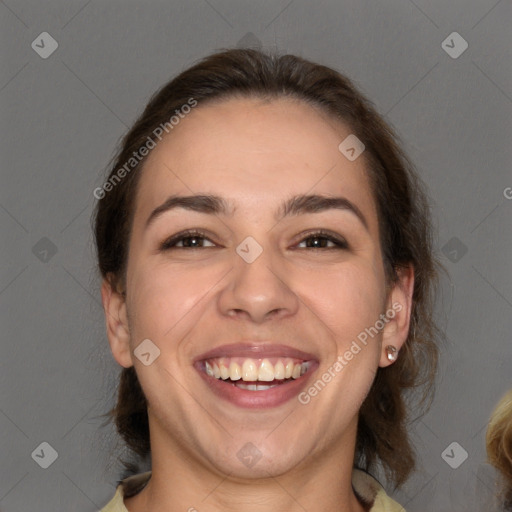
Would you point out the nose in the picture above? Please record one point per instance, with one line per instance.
(258, 291)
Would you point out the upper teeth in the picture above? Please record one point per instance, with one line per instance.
(255, 369)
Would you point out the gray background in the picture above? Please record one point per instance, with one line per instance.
(61, 119)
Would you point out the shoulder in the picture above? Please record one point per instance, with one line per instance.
(128, 487)
(371, 491)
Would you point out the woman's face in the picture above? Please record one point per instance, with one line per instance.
(258, 294)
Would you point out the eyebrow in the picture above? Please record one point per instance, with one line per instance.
(297, 205)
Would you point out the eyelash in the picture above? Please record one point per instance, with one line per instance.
(170, 243)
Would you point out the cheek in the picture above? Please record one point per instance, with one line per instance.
(166, 302)
(348, 303)
(164, 305)
(348, 299)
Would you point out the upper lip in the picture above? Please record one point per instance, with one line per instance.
(257, 350)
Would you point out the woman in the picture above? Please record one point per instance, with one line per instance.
(498, 442)
(267, 284)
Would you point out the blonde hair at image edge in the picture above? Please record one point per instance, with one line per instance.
(499, 442)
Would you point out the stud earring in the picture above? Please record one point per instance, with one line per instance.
(391, 353)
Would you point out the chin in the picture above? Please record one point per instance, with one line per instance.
(257, 460)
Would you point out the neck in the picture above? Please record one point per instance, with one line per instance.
(182, 482)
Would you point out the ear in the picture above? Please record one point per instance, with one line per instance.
(118, 333)
(398, 313)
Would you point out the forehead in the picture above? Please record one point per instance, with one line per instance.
(249, 149)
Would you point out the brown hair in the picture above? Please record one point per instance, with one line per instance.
(404, 229)
(499, 444)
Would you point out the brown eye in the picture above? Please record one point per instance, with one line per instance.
(187, 240)
(323, 240)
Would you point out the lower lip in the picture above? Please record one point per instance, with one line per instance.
(263, 399)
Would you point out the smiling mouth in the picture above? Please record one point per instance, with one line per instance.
(255, 374)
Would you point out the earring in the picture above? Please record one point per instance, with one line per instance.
(391, 353)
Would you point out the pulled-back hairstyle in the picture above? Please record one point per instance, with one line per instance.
(404, 230)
